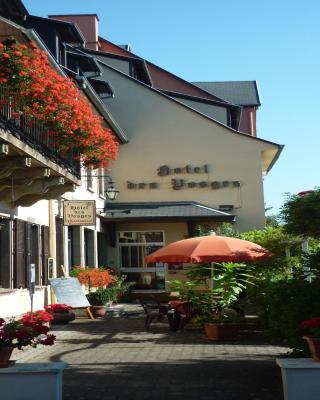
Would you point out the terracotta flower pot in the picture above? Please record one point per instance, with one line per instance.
(98, 311)
(62, 317)
(5, 354)
(221, 331)
(314, 347)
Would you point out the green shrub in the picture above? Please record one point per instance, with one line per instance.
(283, 305)
(100, 297)
(74, 272)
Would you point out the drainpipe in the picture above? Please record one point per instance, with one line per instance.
(52, 236)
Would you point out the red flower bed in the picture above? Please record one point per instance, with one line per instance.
(37, 89)
(28, 331)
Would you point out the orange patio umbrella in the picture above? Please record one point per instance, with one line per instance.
(211, 249)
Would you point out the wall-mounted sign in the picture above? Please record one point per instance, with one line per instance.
(50, 268)
(32, 279)
(165, 170)
(178, 184)
(79, 212)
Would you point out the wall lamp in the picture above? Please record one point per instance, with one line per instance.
(111, 192)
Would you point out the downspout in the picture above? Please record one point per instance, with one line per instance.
(52, 236)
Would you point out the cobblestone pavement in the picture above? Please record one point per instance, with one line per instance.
(116, 359)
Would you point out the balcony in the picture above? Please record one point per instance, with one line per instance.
(36, 135)
(31, 166)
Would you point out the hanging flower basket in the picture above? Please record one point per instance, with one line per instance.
(37, 90)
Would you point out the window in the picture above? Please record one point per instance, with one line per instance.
(89, 247)
(89, 178)
(135, 246)
(103, 182)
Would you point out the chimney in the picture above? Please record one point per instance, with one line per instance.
(88, 24)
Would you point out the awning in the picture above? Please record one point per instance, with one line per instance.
(179, 210)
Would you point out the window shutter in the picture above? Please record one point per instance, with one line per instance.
(28, 252)
(19, 248)
(45, 253)
(5, 255)
(59, 246)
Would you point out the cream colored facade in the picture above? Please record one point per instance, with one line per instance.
(165, 132)
(206, 163)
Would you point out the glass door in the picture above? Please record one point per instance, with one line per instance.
(133, 247)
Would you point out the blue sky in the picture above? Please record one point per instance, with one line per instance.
(275, 42)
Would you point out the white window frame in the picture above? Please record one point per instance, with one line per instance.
(89, 180)
(159, 266)
(103, 181)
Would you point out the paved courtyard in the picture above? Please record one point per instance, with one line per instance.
(117, 359)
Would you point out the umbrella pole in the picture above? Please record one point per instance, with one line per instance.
(212, 276)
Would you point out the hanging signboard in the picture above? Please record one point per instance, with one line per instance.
(79, 212)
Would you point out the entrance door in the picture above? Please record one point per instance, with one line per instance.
(134, 246)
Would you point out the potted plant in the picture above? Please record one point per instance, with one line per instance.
(61, 313)
(93, 278)
(120, 287)
(221, 324)
(98, 301)
(221, 319)
(214, 307)
(312, 327)
(30, 330)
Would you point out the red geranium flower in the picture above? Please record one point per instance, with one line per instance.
(38, 316)
(49, 341)
(60, 105)
(28, 331)
(58, 308)
(312, 326)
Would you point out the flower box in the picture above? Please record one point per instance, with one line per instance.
(36, 381)
(300, 378)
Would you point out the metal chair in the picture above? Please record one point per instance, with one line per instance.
(153, 310)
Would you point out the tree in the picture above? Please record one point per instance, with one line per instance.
(301, 214)
(276, 240)
(272, 220)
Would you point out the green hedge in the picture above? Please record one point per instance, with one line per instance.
(283, 305)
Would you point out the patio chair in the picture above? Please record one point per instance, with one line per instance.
(153, 311)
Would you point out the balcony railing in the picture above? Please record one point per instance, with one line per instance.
(36, 135)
